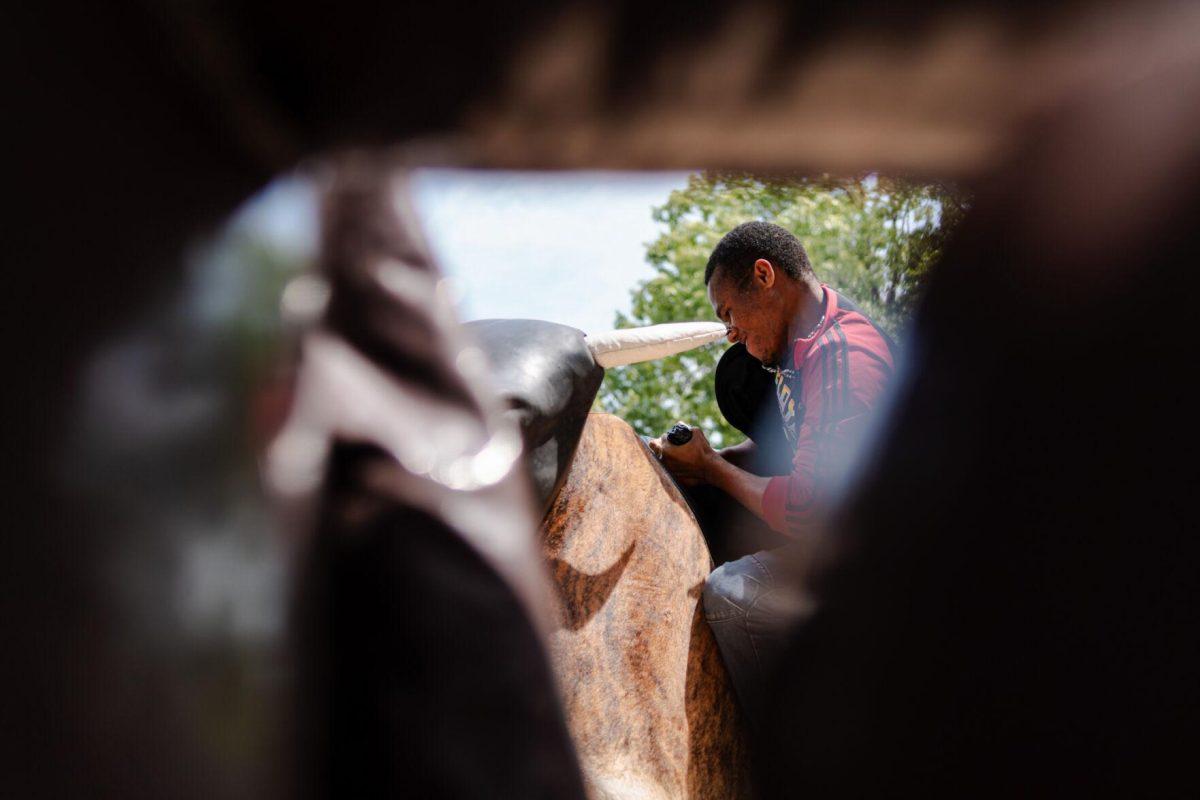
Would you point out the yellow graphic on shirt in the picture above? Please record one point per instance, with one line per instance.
(787, 406)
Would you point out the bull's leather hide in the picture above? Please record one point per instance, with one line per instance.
(648, 701)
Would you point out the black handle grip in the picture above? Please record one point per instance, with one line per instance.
(679, 434)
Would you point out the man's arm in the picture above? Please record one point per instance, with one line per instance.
(787, 503)
(844, 385)
(740, 455)
(696, 462)
(745, 487)
(844, 379)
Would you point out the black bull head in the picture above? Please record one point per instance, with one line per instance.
(547, 376)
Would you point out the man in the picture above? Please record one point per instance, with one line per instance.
(831, 365)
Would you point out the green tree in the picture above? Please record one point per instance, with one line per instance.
(872, 238)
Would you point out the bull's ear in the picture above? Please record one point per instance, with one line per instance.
(634, 345)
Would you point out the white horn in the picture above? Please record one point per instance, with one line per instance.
(634, 345)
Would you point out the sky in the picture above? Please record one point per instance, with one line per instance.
(564, 247)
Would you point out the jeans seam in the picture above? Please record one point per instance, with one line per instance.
(724, 615)
(749, 633)
(770, 576)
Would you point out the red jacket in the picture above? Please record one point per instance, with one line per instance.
(838, 376)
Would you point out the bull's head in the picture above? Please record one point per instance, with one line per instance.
(549, 375)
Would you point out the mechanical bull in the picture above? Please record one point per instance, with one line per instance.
(647, 699)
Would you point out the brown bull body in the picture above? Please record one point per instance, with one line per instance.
(647, 699)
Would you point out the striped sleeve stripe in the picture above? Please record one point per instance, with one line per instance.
(835, 400)
(844, 354)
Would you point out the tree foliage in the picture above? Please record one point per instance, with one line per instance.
(871, 238)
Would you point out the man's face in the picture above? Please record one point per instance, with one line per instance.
(753, 315)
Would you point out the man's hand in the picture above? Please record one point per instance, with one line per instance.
(690, 462)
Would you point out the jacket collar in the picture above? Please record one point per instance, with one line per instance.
(802, 347)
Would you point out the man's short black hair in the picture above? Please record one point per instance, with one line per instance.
(741, 247)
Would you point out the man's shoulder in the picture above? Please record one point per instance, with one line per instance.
(848, 337)
(847, 366)
(832, 339)
(852, 324)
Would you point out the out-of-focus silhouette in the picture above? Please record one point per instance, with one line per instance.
(1013, 605)
(420, 660)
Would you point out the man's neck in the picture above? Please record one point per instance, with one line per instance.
(809, 307)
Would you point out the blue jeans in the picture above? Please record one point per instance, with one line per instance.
(750, 610)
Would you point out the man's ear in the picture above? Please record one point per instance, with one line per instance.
(764, 273)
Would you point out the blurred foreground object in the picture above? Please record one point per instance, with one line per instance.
(422, 601)
(1014, 605)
